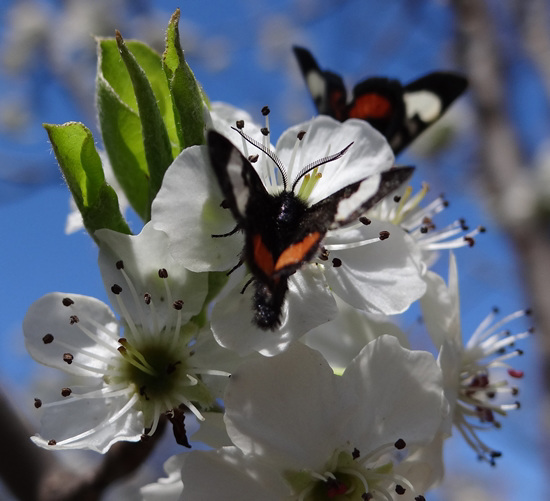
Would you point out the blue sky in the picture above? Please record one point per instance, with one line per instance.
(240, 51)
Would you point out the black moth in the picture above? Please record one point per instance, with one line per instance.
(399, 112)
(281, 231)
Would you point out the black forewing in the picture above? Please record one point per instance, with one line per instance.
(324, 214)
(326, 88)
(446, 87)
(236, 176)
(370, 98)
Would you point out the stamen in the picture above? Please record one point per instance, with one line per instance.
(136, 359)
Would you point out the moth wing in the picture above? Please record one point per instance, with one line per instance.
(379, 101)
(426, 100)
(349, 203)
(236, 176)
(326, 88)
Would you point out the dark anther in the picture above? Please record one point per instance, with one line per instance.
(264, 131)
(265, 111)
(519, 352)
(383, 235)
(482, 229)
(399, 489)
(301, 135)
(323, 254)
(367, 496)
(397, 198)
(528, 311)
(47, 339)
(445, 203)
(336, 262)
(163, 273)
(424, 229)
(67, 301)
(420, 498)
(239, 124)
(253, 158)
(518, 404)
(73, 319)
(364, 220)
(224, 204)
(515, 391)
(496, 309)
(496, 454)
(52, 442)
(178, 304)
(355, 453)
(470, 241)
(37, 403)
(147, 298)
(67, 357)
(65, 392)
(119, 265)
(116, 289)
(400, 444)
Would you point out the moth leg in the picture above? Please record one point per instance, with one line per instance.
(232, 232)
(247, 284)
(235, 267)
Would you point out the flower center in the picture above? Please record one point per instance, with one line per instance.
(351, 478)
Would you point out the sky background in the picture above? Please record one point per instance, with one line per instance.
(241, 53)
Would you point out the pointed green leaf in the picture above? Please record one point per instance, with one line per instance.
(158, 150)
(75, 151)
(121, 125)
(187, 95)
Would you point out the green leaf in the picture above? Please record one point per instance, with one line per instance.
(187, 95)
(158, 150)
(121, 125)
(77, 156)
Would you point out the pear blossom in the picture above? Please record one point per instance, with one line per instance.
(476, 373)
(407, 211)
(378, 275)
(133, 368)
(301, 432)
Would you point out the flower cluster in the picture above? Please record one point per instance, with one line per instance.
(261, 297)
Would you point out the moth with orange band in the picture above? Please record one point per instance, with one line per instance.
(281, 231)
(400, 112)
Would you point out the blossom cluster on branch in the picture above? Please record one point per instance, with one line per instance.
(260, 297)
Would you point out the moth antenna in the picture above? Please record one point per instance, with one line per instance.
(267, 151)
(318, 163)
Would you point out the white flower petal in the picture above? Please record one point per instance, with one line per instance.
(226, 474)
(441, 307)
(187, 208)
(167, 488)
(143, 255)
(370, 153)
(287, 409)
(341, 339)
(383, 277)
(308, 303)
(399, 394)
(48, 315)
(89, 423)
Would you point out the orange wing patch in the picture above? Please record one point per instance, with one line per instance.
(262, 257)
(370, 106)
(295, 253)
